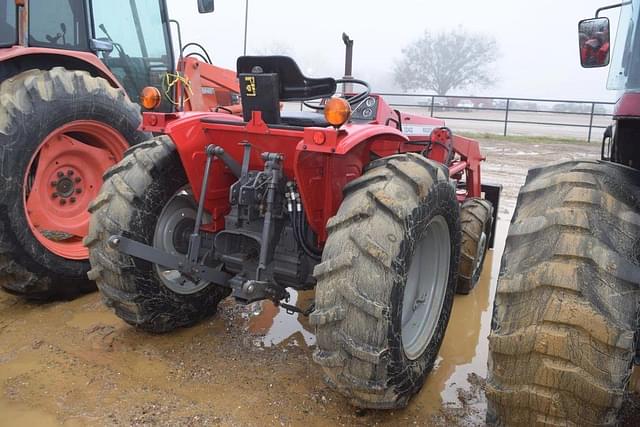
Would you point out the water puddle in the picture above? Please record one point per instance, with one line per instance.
(88, 319)
(14, 415)
(17, 367)
(462, 361)
(274, 326)
(19, 415)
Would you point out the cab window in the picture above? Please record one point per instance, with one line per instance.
(8, 19)
(141, 54)
(58, 24)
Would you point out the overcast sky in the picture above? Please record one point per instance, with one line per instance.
(538, 39)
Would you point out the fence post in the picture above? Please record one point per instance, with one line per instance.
(593, 108)
(506, 117)
(432, 102)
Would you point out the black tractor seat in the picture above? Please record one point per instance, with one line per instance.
(304, 119)
(266, 81)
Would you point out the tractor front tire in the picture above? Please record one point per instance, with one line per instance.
(566, 312)
(475, 221)
(386, 283)
(131, 202)
(52, 125)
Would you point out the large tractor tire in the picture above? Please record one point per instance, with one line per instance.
(387, 279)
(59, 131)
(146, 197)
(566, 313)
(476, 220)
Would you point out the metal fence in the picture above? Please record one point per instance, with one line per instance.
(526, 116)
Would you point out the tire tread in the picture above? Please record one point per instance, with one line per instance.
(567, 305)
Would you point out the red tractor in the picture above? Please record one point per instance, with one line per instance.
(566, 320)
(382, 213)
(71, 73)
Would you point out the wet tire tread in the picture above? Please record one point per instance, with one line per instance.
(475, 218)
(355, 360)
(123, 286)
(567, 308)
(20, 272)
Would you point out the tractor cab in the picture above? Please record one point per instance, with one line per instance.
(624, 73)
(620, 140)
(132, 38)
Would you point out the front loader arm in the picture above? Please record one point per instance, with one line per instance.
(211, 86)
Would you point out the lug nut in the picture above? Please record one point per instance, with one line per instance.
(60, 174)
(54, 195)
(70, 172)
(78, 179)
(73, 200)
(54, 183)
(78, 190)
(63, 202)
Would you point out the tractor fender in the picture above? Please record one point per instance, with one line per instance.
(17, 59)
(186, 131)
(343, 141)
(323, 170)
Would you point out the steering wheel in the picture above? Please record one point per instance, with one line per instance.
(353, 100)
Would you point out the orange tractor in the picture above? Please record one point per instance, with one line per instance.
(382, 213)
(71, 75)
(566, 321)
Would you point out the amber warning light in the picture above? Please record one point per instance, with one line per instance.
(337, 111)
(150, 97)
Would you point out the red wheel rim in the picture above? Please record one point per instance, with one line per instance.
(63, 177)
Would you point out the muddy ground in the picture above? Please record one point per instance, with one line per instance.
(75, 363)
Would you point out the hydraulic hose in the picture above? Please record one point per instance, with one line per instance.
(298, 223)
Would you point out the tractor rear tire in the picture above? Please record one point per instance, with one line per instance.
(34, 106)
(130, 203)
(401, 213)
(566, 312)
(475, 220)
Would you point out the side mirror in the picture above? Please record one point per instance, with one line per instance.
(205, 6)
(594, 42)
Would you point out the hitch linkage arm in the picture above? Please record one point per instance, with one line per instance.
(190, 266)
(273, 164)
(244, 290)
(149, 253)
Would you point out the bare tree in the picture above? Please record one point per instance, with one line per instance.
(447, 60)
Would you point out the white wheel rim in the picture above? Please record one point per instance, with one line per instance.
(426, 288)
(178, 214)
